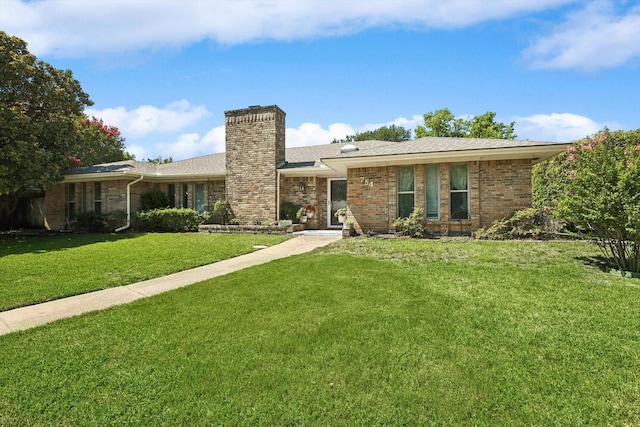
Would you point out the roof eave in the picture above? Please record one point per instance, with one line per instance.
(535, 153)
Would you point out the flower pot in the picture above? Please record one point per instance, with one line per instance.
(309, 214)
(303, 219)
(342, 219)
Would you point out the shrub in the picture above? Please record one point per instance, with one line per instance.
(92, 221)
(413, 225)
(154, 200)
(171, 219)
(526, 223)
(222, 209)
(289, 210)
(603, 193)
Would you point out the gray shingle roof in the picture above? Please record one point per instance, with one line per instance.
(311, 156)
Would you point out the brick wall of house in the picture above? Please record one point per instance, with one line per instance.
(371, 197)
(255, 145)
(306, 190)
(505, 186)
(54, 207)
(496, 189)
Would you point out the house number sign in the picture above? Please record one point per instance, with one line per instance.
(366, 181)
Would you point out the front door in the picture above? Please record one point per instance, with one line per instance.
(337, 199)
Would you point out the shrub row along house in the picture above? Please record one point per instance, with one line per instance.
(463, 181)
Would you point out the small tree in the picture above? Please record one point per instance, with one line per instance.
(443, 123)
(603, 193)
(385, 133)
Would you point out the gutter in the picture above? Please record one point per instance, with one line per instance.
(128, 224)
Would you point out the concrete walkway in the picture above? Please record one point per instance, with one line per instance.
(39, 314)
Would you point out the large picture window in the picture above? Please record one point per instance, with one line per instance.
(406, 191)
(459, 191)
(432, 186)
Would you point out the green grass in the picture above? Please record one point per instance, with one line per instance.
(38, 269)
(363, 332)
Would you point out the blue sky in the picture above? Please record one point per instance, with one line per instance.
(165, 71)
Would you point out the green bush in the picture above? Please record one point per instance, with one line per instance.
(171, 219)
(411, 226)
(222, 211)
(154, 200)
(529, 223)
(92, 221)
(289, 211)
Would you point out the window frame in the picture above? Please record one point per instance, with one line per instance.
(405, 192)
(455, 191)
(97, 196)
(436, 166)
(71, 202)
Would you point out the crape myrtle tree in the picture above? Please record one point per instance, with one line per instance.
(96, 143)
(385, 133)
(443, 123)
(602, 193)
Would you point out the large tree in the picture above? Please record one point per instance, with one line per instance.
(39, 106)
(443, 123)
(384, 133)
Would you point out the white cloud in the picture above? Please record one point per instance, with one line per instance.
(593, 38)
(314, 134)
(93, 28)
(558, 127)
(191, 145)
(147, 119)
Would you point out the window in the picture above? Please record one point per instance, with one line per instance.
(71, 202)
(185, 196)
(97, 197)
(432, 177)
(406, 191)
(83, 195)
(171, 192)
(200, 198)
(459, 191)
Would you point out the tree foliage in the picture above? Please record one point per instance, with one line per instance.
(385, 133)
(39, 105)
(443, 123)
(602, 193)
(97, 143)
(159, 160)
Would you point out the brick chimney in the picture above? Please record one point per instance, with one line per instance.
(255, 146)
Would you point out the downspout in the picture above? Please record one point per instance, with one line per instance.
(124, 227)
(278, 195)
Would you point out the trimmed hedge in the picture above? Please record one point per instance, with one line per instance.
(170, 219)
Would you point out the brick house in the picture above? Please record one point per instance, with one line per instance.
(461, 181)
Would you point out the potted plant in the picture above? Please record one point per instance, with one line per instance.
(311, 210)
(302, 215)
(341, 214)
(348, 224)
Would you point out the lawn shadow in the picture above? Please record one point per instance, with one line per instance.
(606, 266)
(11, 244)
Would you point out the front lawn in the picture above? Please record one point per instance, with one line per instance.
(362, 332)
(38, 269)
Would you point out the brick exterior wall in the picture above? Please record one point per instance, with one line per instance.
(114, 198)
(255, 146)
(505, 187)
(496, 189)
(371, 197)
(307, 190)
